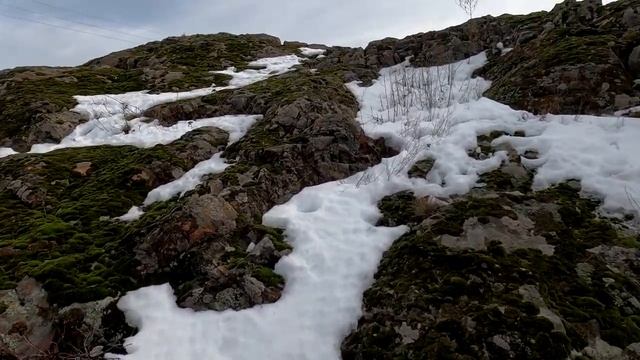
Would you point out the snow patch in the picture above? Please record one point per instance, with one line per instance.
(629, 111)
(269, 67)
(4, 152)
(141, 133)
(133, 214)
(310, 52)
(109, 115)
(598, 151)
(236, 126)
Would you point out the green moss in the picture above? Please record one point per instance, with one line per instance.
(268, 276)
(63, 240)
(567, 48)
(398, 209)
(275, 235)
(418, 278)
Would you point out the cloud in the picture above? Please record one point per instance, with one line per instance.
(334, 22)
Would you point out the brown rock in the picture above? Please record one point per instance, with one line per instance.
(83, 168)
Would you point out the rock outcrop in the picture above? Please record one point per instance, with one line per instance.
(308, 136)
(502, 273)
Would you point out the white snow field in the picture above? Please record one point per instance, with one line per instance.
(115, 119)
(311, 52)
(337, 247)
(4, 151)
(265, 68)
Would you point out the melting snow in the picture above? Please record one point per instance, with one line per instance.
(309, 52)
(336, 245)
(6, 152)
(109, 115)
(267, 67)
(236, 126)
(108, 131)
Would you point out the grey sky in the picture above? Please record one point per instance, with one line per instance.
(26, 41)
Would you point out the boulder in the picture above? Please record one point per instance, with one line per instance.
(634, 61)
(631, 17)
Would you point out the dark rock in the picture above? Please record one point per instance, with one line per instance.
(264, 252)
(525, 37)
(634, 60)
(631, 17)
(442, 291)
(422, 168)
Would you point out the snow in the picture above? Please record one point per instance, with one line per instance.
(133, 214)
(6, 152)
(236, 126)
(143, 134)
(109, 115)
(310, 52)
(336, 245)
(503, 50)
(630, 110)
(598, 151)
(272, 66)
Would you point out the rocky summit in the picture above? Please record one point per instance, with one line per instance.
(496, 259)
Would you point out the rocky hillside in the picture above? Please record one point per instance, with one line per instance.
(503, 272)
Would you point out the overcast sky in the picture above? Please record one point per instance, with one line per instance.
(63, 32)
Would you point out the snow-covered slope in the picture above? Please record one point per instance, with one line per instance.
(332, 226)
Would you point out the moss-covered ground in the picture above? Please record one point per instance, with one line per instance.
(63, 235)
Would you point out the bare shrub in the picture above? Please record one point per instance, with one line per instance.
(420, 100)
(469, 6)
(126, 110)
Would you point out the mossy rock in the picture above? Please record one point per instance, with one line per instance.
(67, 239)
(462, 301)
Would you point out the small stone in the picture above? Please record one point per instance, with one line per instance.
(83, 168)
(96, 351)
(531, 155)
(574, 184)
(264, 251)
(408, 334)
(634, 60)
(254, 288)
(502, 342)
(623, 101)
(584, 271)
(422, 168)
(631, 18)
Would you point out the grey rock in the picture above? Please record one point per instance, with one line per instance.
(264, 252)
(631, 18)
(26, 326)
(254, 288)
(634, 60)
(526, 36)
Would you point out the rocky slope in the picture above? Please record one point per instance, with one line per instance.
(556, 279)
